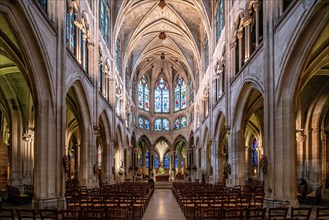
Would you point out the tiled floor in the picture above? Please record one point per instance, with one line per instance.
(164, 206)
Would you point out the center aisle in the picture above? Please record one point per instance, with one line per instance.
(163, 205)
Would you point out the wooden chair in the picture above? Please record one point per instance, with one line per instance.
(117, 214)
(94, 214)
(7, 214)
(322, 213)
(301, 213)
(233, 214)
(315, 196)
(210, 214)
(71, 214)
(278, 213)
(256, 213)
(48, 214)
(25, 214)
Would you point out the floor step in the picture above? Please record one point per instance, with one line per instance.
(162, 185)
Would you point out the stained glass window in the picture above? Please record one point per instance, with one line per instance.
(161, 96)
(180, 94)
(156, 160)
(86, 64)
(100, 78)
(143, 94)
(183, 122)
(43, 4)
(166, 160)
(72, 33)
(140, 122)
(147, 159)
(177, 124)
(147, 124)
(118, 57)
(191, 92)
(158, 124)
(254, 153)
(104, 20)
(165, 124)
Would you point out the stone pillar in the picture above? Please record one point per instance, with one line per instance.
(315, 175)
(240, 35)
(247, 39)
(257, 8)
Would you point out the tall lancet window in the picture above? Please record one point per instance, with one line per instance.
(143, 94)
(161, 96)
(180, 94)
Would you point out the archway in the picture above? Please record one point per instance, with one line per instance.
(104, 152)
(180, 157)
(144, 157)
(222, 131)
(312, 117)
(253, 116)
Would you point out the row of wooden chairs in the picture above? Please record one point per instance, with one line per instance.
(260, 213)
(43, 214)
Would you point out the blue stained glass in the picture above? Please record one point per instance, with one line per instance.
(106, 31)
(140, 95)
(68, 28)
(183, 122)
(43, 4)
(221, 17)
(177, 98)
(183, 95)
(166, 161)
(156, 160)
(147, 124)
(157, 125)
(141, 161)
(147, 159)
(73, 34)
(191, 92)
(176, 160)
(217, 26)
(140, 122)
(165, 124)
(146, 98)
(161, 96)
(177, 124)
(254, 153)
(101, 17)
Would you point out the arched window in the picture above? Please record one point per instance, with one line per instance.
(156, 160)
(147, 159)
(140, 122)
(43, 4)
(71, 31)
(104, 20)
(161, 124)
(166, 160)
(161, 96)
(143, 94)
(180, 94)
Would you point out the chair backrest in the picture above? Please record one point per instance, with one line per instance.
(256, 213)
(7, 214)
(117, 214)
(71, 214)
(322, 213)
(279, 212)
(94, 214)
(301, 213)
(48, 214)
(25, 214)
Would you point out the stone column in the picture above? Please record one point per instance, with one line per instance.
(247, 39)
(257, 8)
(315, 177)
(240, 35)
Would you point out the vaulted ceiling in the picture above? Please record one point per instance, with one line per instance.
(172, 29)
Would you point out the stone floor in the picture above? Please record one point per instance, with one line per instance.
(163, 205)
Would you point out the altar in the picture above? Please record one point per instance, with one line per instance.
(162, 177)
